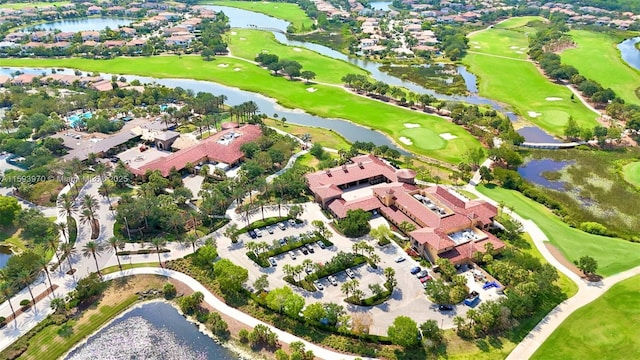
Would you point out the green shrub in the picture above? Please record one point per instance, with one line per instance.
(338, 263)
(384, 241)
(25, 303)
(262, 223)
(218, 326)
(594, 228)
(243, 336)
(169, 291)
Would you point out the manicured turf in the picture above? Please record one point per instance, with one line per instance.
(497, 57)
(604, 329)
(289, 12)
(324, 137)
(327, 101)
(631, 173)
(424, 138)
(32, 4)
(597, 58)
(613, 255)
(247, 44)
(518, 22)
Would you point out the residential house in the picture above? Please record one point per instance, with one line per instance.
(90, 35)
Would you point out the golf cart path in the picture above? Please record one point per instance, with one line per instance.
(220, 306)
(587, 291)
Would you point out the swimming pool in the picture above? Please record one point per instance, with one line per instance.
(75, 120)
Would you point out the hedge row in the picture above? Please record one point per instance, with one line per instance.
(263, 223)
(141, 252)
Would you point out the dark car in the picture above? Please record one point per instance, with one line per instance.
(445, 307)
(416, 269)
(253, 234)
(310, 248)
(304, 250)
(283, 241)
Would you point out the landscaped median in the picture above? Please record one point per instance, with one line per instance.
(452, 145)
(261, 252)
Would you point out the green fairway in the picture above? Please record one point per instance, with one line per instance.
(518, 22)
(424, 138)
(631, 173)
(285, 11)
(604, 329)
(498, 57)
(613, 255)
(326, 101)
(33, 4)
(247, 44)
(324, 137)
(597, 58)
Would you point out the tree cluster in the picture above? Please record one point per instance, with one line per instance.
(291, 68)
(355, 224)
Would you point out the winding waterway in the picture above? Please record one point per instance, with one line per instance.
(76, 25)
(629, 53)
(151, 331)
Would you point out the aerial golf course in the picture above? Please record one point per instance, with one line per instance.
(498, 56)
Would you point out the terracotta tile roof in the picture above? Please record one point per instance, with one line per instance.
(454, 222)
(396, 215)
(464, 252)
(340, 206)
(328, 191)
(432, 237)
(207, 149)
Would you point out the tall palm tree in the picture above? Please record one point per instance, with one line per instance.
(94, 249)
(193, 240)
(44, 265)
(69, 251)
(76, 166)
(25, 278)
(158, 243)
(6, 290)
(116, 243)
(52, 244)
(90, 203)
(67, 206)
(87, 216)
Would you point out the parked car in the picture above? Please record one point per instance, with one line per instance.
(292, 255)
(445, 307)
(283, 241)
(332, 280)
(292, 222)
(258, 232)
(320, 244)
(318, 285)
(350, 273)
(424, 279)
(252, 234)
(416, 269)
(272, 261)
(400, 259)
(281, 226)
(309, 269)
(270, 229)
(422, 274)
(304, 250)
(310, 248)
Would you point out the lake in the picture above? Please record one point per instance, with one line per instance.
(534, 134)
(76, 25)
(151, 331)
(630, 53)
(380, 5)
(5, 254)
(533, 171)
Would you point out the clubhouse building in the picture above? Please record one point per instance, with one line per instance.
(447, 225)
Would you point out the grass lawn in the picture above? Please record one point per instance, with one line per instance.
(327, 69)
(325, 137)
(631, 173)
(497, 58)
(327, 101)
(33, 4)
(613, 255)
(127, 266)
(518, 22)
(289, 12)
(597, 58)
(11, 236)
(604, 329)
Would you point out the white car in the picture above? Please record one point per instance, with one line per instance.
(318, 285)
(350, 273)
(292, 222)
(281, 226)
(400, 259)
(332, 280)
(292, 255)
(258, 233)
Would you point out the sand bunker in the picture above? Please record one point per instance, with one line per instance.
(448, 136)
(311, 89)
(243, 38)
(523, 49)
(297, 49)
(553, 99)
(533, 114)
(405, 140)
(411, 126)
(475, 42)
(223, 65)
(519, 52)
(234, 33)
(265, 51)
(477, 47)
(236, 69)
(514, 47)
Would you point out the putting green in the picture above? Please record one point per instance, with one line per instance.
(505, 74)
(604, 329)
(281, 10)
(329, 101)
(518, 22)
(597, 58)
(248, 44)
(631, 173)
(424, 138)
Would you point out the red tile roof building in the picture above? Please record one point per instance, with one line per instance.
(222, 147)
(447, 224)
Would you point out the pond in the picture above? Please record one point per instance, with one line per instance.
(5, 254)
(350, 131)
(533, 171)
(534, 134)
(630, 53)
(380, 5)
(151, 331)
(76, 25)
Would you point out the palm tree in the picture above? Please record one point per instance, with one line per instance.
(25, 278)
(193, 240)
(288, 270)
(87, 216)
(6, 290)
(62, 227)
(67, 207)
(374, 258)
(90, 203)
(94, 249)
(116, 243)
(158, 243)
(52, 244)
(68, 250)
(44, 265)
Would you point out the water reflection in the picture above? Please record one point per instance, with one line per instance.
(630, 53)
(76, 25)
(534, 169)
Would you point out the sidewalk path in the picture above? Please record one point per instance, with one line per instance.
(220, 306)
